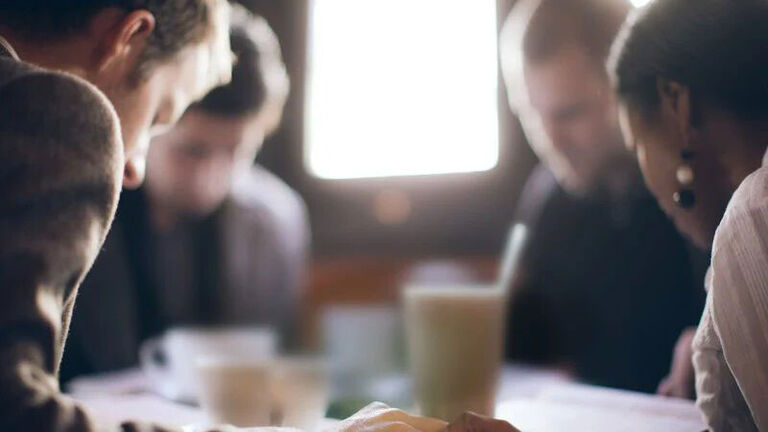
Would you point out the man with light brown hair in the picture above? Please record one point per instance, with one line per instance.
(83, 86)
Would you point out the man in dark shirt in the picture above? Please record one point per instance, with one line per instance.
(607, 283)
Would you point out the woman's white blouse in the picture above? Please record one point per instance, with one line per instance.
(731, 344)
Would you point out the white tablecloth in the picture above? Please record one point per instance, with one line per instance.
(534, 400)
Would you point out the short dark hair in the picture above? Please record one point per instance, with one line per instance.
(540, 28)
(259, 76)
(717, 48)
(178, 23)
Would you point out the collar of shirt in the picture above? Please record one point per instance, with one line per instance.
(5, 45)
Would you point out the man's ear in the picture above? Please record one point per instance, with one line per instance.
(123, 38)
(675, 103)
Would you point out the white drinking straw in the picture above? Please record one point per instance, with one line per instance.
(510, 260)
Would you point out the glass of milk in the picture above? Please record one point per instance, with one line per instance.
(455, 337)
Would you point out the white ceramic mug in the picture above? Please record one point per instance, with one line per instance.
(183, 347)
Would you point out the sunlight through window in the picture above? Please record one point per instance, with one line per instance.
(401, 87)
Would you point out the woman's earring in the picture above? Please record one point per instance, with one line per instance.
(685, 197)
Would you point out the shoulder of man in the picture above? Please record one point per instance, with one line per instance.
(59, 125)
(61, 160)
(63, 95)
(10, 68)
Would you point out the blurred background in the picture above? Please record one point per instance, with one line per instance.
(399, 148)
(400, 141)
(403, 146)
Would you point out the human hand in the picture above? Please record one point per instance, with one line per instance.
(471, 422)
(230, 428)
(222, 428)
(681, 379)
(378, 417)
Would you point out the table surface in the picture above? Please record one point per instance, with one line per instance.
(532, 399)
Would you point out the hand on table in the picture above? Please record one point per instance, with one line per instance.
(681, 379)
(470, 422)
(229, 428)
(378, 417)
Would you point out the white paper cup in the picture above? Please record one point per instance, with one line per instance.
(455, 338)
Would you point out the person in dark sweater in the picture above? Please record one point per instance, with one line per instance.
(606, 284)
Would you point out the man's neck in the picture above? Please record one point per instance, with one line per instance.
(68, 56)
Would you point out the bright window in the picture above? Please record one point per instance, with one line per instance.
(401, 87)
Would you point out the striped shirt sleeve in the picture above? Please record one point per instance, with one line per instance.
(740, 292)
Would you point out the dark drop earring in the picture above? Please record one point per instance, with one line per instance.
(685, 197)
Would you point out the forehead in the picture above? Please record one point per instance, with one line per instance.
(569, 76)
